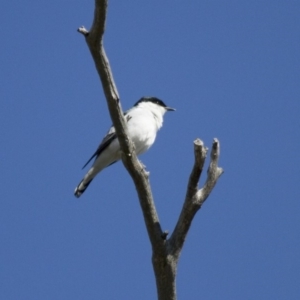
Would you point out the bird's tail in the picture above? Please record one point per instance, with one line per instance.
(81, 187)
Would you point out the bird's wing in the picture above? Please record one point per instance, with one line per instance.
(110, 136)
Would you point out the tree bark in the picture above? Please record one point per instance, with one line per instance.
(165, 252)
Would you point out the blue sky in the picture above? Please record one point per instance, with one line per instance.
(230, 68)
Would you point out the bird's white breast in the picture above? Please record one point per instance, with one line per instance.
(142, 128)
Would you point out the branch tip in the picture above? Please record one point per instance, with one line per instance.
(216, 143)
(198, 142)
(215, 151)
(200, 152)
(83, 31)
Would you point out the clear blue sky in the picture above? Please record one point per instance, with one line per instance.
(230, 68)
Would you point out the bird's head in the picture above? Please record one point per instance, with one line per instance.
(153, 104)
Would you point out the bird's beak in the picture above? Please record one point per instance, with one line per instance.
(170, 109)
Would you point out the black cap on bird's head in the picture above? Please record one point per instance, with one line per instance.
(155, 101)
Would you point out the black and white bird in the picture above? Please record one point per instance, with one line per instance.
(144, 119)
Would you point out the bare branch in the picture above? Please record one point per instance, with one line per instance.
(200, 154)
(213, 173)
(194, 197)
(98, 26)
(94, 39)
(83, 31)
(165, 252)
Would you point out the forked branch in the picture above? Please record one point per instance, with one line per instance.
(165, 251)
(195, 197)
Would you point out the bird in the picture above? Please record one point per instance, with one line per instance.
(143, 121)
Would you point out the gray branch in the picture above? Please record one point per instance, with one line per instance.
(94, 40)
(195, 197)
(166, 252)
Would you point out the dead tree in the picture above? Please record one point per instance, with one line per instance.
(165, 251)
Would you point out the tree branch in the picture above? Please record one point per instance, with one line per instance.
(200, 154)
(195, 197)
(94, 40)
(213, 174)
(165, 252)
